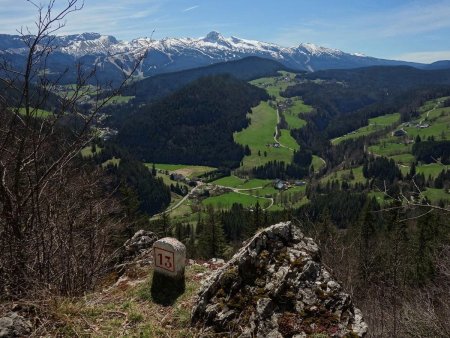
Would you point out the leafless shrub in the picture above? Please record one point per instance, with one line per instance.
(54, 217)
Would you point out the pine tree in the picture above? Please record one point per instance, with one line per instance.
(200, 226)
(154, 170)
(412, 171)
(179, 231)
(211, 243)
(352, 175)
(165, 225)
(191, 244)
(367, 226)
(247, 151)
(257, 220)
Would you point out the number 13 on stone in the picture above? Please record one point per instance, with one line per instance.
(164, 259)
(169, 257)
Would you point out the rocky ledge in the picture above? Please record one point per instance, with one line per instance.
(275, 286)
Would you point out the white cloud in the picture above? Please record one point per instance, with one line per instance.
(190, 8)
(106, 16)
(397, 22)
(424, 57)
(417, 18)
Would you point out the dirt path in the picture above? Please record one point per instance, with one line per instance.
(181, 201)
(241, 191)
(275, 137)
(265, 198)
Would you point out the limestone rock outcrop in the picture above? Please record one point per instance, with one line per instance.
(276, 286)
(135, 252)
(141, 240)
(14, 325)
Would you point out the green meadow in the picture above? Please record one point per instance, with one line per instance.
(258, 135)
(225, 201)
(39, 113)
(375, 124)
(287, 140)
(184, 169)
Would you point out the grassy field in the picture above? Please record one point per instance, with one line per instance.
(119, 99)
(258, 135)
(438, 119)
(298, 106)
(259, 187)
(344, 175)
(113, 161)
(399, 149)
(275, 85)
(375, 124)
(225, 201)
(254, 183)
(291, 114)
(404, 159)
(184, 169)
(87, 152)
(169, 167)
(381, 197)
(293, 121)
(390, 146)
(70, 89)
(433, 169)
(318, 163)
(436, 195)
(229, 181)
(287, 140)
(39, 113)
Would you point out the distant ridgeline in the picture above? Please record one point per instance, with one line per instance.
(195, 125)
(158, 86)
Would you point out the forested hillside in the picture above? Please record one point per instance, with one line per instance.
(193, 126)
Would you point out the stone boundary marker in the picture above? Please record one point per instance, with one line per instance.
(169, 257)
(169, 260)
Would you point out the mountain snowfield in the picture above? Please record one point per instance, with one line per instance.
(173, 54)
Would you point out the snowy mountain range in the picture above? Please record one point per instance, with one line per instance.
(112, 56)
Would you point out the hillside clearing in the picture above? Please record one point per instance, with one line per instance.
(259, 137)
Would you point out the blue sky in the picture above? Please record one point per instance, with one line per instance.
(408, 30)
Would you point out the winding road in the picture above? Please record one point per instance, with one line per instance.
(240, 191)
(275, 137)
(199, 183)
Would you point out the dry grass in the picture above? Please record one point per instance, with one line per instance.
(123, 310)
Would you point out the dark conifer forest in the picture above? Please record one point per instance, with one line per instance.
(193, 126)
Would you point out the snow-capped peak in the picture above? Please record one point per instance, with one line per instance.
(213, 36)
(318, 50)
(173, 54)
